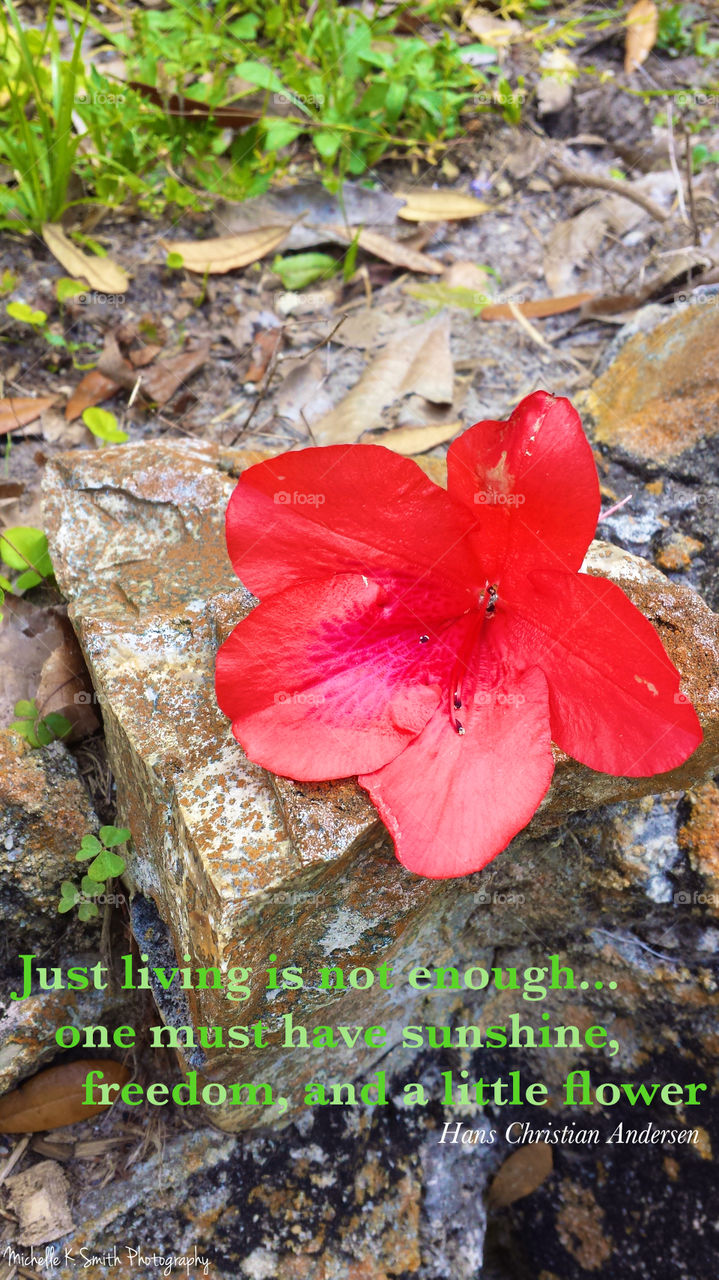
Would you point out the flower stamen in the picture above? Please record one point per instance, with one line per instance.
(465, 653)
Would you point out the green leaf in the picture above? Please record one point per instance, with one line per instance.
(279, 133)
(301, 269)
(89, 847)
(175, 261)
(67, 288)
(65, 904)
(23, 547)
(25, 709)
(87, 911)
(21, 311)
(106, 864)
(58, 725)
(257, 73)
(90, 886)
(103, 424)
(68, 889)
(111, 836)
(26, 580)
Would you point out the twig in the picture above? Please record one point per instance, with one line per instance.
(14, 1157)
(690, 188)
(533, 333)
(673, 161)
(269, 375)
(625, 189)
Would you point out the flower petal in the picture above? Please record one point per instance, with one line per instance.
(451, 802)
(344, 509)
(532, 484)
(614, 692)
(328, 679)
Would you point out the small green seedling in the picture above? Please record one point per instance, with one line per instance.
(301, 269)
(25, 549)
(38, 319)
(105, 865)
(66, 288)
(174, 261)
(103, 424)
(38, 730)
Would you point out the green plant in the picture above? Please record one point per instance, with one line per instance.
(25, 314)
(38, 731)
(25, 549)
(103, 424)
(298, 270)
(701, 155)
(105, 865)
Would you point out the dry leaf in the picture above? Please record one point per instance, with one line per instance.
(642, 23)
(416, 360)
(393, 251)
(57, 430)
(91, 390)
(227, 253)
(40, 1198)
(412, 440)
(21, 410)
(521, 1174)
(369, 328)
(466, 275)
(101, 273)
(308, 209)
(65, 686)
(54, 1097)
(162, 380)
(144, 355)
(267, 343)
(491, 29)
(538, 309)
(302, 397)
(427, 205)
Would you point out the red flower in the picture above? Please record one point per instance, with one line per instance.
(435, 642)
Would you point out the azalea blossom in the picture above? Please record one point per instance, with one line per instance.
(436, 642)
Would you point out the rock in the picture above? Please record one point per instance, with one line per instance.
(44, 813)
(241, 865)
(658, 389)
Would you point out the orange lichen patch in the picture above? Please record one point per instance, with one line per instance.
(671, 1168)
(703, 1145)
(580, 1223)
(676, 554)
(655, 487)
(659, 396)
(700, 834)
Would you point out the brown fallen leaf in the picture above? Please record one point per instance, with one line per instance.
(369, 328)
(428, 205)
(179, 104)
(416, 360)
(54, 1097)
(90, 390)
(65, 686)
(161, 380)
(398, 253)
(538, 309)
(144, 355)
(302, 397)
(101, 273)
(521, 1174)
(412, 440)
(642, 23)
(21, 410)
(113, 365)
(264, 347)
(226, 253)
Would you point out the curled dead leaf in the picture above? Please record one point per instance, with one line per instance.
(65, 686)
(90, 390)
(642, 24)
(226, 253)
(101, 273)
(21, 410)
(54, 1097)
(428, 205)
(413, 440)
(396, 252)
